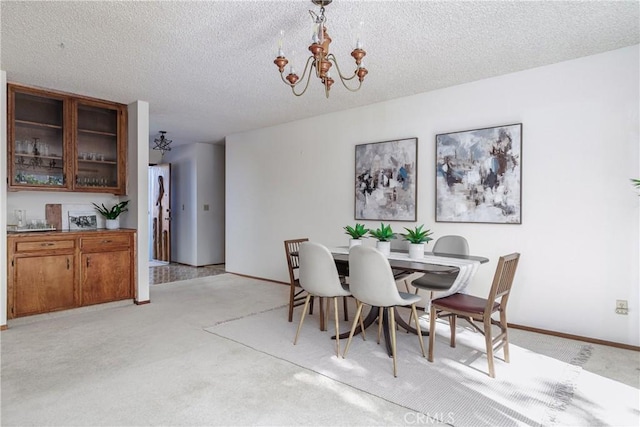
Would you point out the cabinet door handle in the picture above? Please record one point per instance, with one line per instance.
(67, 263)
(106, 241)
(88, 259)
(46, 244)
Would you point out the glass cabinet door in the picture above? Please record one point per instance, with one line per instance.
(36, 140)
(97, 149)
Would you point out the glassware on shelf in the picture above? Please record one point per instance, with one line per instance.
(21, 217)
(36, 146)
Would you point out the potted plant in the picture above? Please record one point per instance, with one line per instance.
(112, 215)
(384, 234)
(417, 238)
(356, 233)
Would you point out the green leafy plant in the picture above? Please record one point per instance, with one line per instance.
(114, 212)
(418, 235)
(636, 182)
(384, 233)
(356, 232)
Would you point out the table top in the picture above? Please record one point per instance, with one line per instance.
(399, 260)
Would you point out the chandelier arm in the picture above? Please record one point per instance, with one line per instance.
(331, 57)
(303, 73)
(343, 79)
(293, 89)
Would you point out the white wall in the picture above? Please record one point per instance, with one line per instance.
(137, 191)
(197, 179)
(183, 203)
(210, 192)
(580, 233)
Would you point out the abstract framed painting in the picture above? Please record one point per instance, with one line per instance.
(386, 180)
(479, 175)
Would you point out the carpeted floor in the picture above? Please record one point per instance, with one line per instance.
(454, 389)
(119, 364)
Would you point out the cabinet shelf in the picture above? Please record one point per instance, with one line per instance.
(100, 162)
(97, 132)
(37, 124)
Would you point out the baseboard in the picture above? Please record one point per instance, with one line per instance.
(141, 302)
(260, 278)
(3, 327)
(575, 337)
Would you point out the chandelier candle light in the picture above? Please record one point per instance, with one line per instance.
(321, 59)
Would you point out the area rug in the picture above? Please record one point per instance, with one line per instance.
(455, 389)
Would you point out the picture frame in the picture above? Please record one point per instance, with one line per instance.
(479, 175)
(83, 220)
(386, 180)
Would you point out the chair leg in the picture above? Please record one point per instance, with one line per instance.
(392, 326)
(380, 317)
(432, 331)
(415, 316)
(364, 336)
(504, 329)
(323, 323)
(452, 325)
(292, 292)
(304, 311)
(353, 328)
(489, 342)
(344, 307)
(335, 314)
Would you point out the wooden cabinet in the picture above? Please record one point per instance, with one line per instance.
(65, 142)
(106, 266)
(60, 270)
(46, 279)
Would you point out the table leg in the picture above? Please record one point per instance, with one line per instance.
(372, 316)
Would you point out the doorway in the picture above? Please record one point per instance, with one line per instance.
(160, 213)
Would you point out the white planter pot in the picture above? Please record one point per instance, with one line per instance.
(112, 224)
(384, 247)
(354, 242)
(416, 250)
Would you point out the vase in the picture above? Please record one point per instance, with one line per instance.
(416, 250)
(354, 242)
(384, 247)
(112, 224)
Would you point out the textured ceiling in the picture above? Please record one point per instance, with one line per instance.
(206, 68)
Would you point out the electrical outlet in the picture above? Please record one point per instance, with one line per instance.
(622, 307)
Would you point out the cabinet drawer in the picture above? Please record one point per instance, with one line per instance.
(44, 245)
(105, 242)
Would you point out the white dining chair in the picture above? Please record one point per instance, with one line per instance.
(371, 282)
(319, 277)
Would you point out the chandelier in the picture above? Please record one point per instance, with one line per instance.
(162, 143)
(321, 59)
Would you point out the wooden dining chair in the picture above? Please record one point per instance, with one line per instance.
(472, 309)
(296, 293)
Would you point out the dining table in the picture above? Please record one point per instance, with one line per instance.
(464, 266)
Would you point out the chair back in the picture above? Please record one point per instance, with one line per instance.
(371, 280)
(503, 280)
(451, 244)
(318, 272)
(292, 248)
